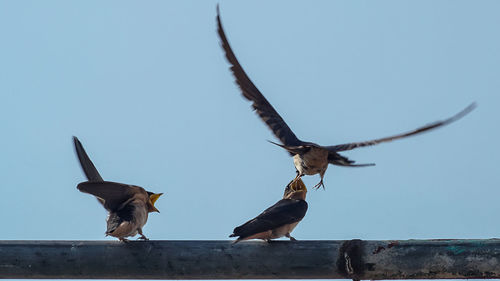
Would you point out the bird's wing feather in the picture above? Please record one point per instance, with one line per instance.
(263, 108)
(114, 194)
(285, 211)
(87, 166)
(340, 160)
(353, 145)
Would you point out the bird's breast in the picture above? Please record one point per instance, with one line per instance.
(312, 162)
(284, 230)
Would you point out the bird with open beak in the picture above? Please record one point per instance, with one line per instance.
(128, 205)
(280, 219)
(309, 158)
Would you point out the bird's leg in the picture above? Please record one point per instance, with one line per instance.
(298, 176)
(290, 237)
(295, 179)
(143, 237)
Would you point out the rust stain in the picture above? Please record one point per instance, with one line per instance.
(381, 248)
(392, 244)
(378, 250)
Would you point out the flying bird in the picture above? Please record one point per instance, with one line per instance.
(128, 205)
(278, 220)
(309, 158)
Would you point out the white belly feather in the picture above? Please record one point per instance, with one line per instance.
(284, 230)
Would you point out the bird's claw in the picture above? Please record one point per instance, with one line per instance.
(320, 184)
(290, 237)
(143, 238)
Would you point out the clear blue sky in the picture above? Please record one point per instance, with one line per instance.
(146, 88)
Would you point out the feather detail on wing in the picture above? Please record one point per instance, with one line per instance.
(87, 166)
(353, 145)
(112, 193)
(285, 211)
(339, 160)
(263, 108)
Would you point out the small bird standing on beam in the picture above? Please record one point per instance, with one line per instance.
(128, 205)
(278, 220)
(309, 158)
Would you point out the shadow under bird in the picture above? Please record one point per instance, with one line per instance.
(280, 219)
(309, 158)
(128, 205)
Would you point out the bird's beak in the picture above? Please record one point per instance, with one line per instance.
(153, 197)
(298, 185)
(294, 188)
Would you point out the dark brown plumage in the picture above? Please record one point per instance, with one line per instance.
(128, 205)
(87, 166)
(309, 158)
(278, 220)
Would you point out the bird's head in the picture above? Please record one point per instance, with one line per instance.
(152, 199)
(296, 189)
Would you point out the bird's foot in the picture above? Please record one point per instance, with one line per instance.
(290, 237)
(124, 240)
(320, 184)
(143, 238)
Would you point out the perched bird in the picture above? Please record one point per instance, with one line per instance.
(309, 158)
(128, 205)
(278, 220)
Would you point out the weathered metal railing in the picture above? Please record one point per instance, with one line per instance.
(352, 259)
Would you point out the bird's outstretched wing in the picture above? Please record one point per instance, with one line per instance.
(263, 108)
(285, 211)
(353, 145)
(112, 193)
(87, 166)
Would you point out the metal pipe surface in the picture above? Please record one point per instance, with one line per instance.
(351, 259)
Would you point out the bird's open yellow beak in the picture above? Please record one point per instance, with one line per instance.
(298, 185)
(153, 197)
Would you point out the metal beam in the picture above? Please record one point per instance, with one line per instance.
(352, 259)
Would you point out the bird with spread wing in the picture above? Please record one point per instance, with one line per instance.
(309, 158)
(128, 205)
